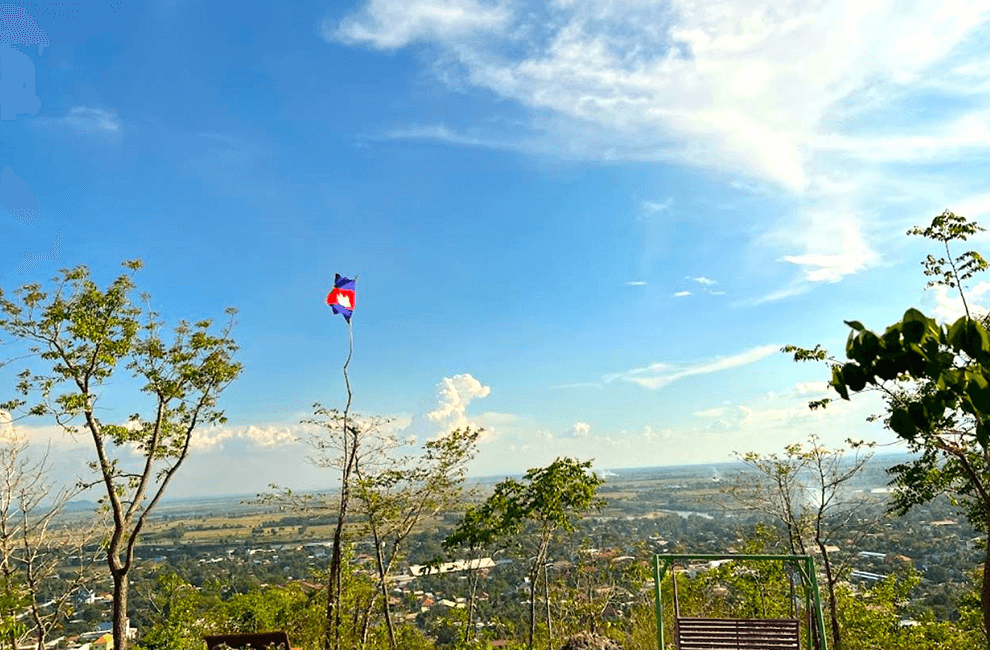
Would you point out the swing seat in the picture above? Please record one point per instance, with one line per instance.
(738, 634)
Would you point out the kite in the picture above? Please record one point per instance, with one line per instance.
(343, 296)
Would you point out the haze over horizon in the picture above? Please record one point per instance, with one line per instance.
(586, 227)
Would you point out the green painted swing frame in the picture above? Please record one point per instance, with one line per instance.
(805, 564)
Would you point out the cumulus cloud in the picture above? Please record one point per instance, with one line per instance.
(454, 395)
(949, 306)
(659, 375)
(7, 432)
(578, 430)
(258, 435)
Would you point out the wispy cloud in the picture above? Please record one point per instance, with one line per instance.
(681, 294)
(717, 85)
(659, 375)
(391, 24)
(580, 384)
(656, 208)
(636, 283)
(83, 118)
(702, 280)
(712, 85)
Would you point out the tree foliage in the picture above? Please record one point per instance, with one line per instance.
(549, 498)
(78, 338)
(935, 381)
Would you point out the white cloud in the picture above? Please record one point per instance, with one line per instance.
(578, 430)
(834, 243)
(264, 436)
(653, 208)
(949, 306)
(710, 413)
(780, 95)
(83, 118)
(702, 280)
(750, 188)
(454, 395)
(580, 384)
(636, 283)
(7, 431)
(391, 24)
(636, 375)
(811, 387)
(726, 84)
(681, 294)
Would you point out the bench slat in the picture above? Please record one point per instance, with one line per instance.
(738, 634)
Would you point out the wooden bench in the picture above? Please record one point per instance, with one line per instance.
(738, 634)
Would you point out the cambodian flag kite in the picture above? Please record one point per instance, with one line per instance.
(343, 296)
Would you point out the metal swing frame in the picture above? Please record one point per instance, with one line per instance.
(736, 629)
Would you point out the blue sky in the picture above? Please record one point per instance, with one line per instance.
(585, 226)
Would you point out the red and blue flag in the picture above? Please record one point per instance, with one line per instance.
(343, 296)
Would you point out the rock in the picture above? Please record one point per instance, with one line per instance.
(589, 641)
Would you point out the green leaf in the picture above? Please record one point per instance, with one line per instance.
(902, 424)
(919, 415)
(855, 324)
(838, 384)
(888, 367)
(854, 377)
(976, 341)
(916, 325)
(982, 434)
(978, 390)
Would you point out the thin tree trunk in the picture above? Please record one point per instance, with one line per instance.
(474, 577)
(533, 575)
(386, 609)
(366, 620)
(120, 622)
(833, 608)
(546, 592)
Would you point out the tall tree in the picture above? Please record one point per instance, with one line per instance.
(803, 490)
(35, 545)
(398, 493)
(78, 336)
(340, 440)
(935, 382)
(550, 498)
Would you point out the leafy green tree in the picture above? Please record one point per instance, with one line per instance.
(79, 336)
(935, 381)
(477, 532)
(879, 617)
(550, 498)
(398, 493)
(341, 442)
